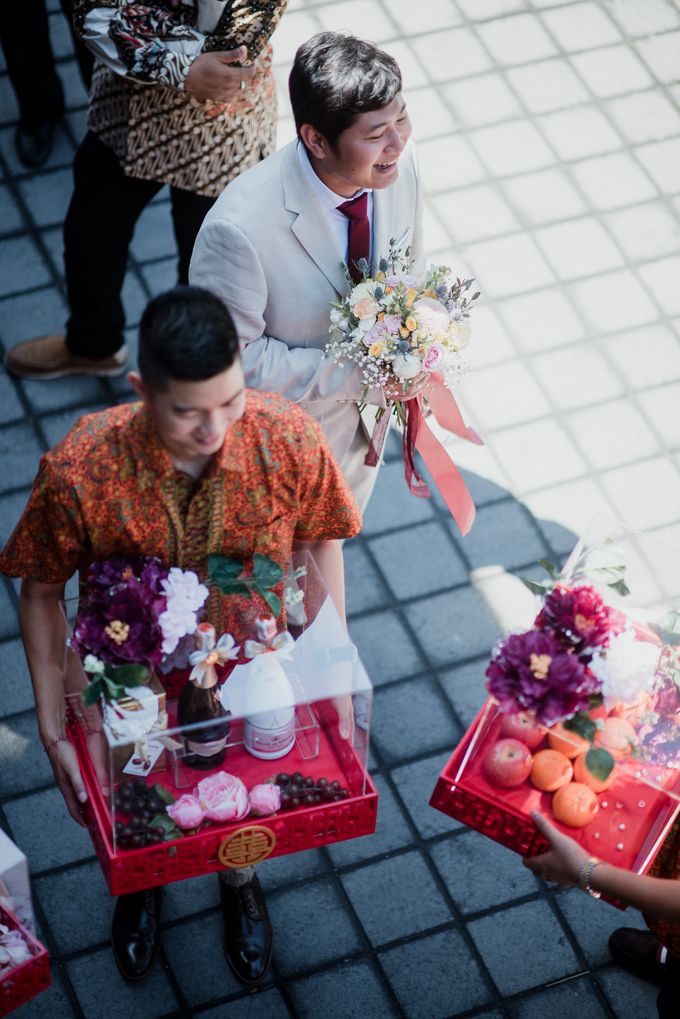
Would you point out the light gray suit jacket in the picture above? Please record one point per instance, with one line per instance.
(266, 248)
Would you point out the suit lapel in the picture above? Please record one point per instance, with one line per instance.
(387, 223)
(311, 226)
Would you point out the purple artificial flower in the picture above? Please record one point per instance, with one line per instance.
(532, 672)
(579, 618)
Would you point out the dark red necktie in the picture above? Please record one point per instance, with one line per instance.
(359, 232)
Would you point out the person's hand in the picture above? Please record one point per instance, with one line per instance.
(563, 860)
(345, 709)
(67, 774)
(212, 78)
(398, 391)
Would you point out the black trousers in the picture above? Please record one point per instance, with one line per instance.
(98, 229)
(668, 1001)
(25, 39)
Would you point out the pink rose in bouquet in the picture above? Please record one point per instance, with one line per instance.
(223, 797)
(186, 812)
(434, 358)
(265, 799)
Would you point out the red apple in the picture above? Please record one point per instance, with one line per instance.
(524, 727)
(507, 763)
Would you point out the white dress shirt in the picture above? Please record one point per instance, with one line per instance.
(330, 202)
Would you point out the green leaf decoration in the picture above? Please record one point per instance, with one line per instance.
(582, 725)
(549, 568)
(620, 587)
(234, 587)
(599, 763)
(127, 675)
(266, 571)
(273, 601)
(163, 794)
(533, 586)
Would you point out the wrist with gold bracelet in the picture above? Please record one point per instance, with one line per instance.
(585, 873)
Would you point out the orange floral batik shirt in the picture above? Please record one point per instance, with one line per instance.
(110, 488)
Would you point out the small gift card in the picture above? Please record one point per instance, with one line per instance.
(138, 765)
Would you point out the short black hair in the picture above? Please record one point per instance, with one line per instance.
(336, 77)
(186, 334)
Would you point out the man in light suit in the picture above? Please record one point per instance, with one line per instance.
(273, 245)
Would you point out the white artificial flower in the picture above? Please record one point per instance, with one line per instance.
(185, 596)
(459, 334)
(406, 366)
(93, 665)
(433, 319)
(626, 667)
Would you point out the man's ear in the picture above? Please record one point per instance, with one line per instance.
(314, 141)
(137, 384)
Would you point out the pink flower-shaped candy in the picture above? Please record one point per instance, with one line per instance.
(186, 812)
(223, 797)
(265, 799)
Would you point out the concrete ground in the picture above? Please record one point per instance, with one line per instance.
(549, 140)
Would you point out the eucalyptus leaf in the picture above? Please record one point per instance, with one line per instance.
(599, 763)
(536, 588)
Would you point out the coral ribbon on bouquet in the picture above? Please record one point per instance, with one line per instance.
(445, 474)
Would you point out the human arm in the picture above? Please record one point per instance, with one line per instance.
(657, 897)
(43, 630)
(225, 262)
(157, 46)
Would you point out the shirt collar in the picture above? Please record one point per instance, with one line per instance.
(329, 199)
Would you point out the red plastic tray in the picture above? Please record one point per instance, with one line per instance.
(22, 983)
(130, 870)
(463, 793)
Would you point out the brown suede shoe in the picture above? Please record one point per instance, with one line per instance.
(48, 357)
(638, 952)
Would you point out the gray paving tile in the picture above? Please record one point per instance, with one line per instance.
(480, 873)
(452, 626)
(464, 686)
(154, 237)
(503, 535)
(301, 943)
(160, 276)
(68, 897)
(23, 764)
(267, 1004)
(395, 897)
(47, 196)
(411, 718)
(392, 832)
(390, 658)
(19, 453)
(17, 689)
(21, 266)
(401, 557)
(415, 784)
(392, 505)
(562, 1002)
(436, 976)
(29, 315)
(523, 947)
(364, 589)
(10, 406)
(183, 898)
(46, 833)
(9, 626)
(592, 927)
(194, 950)
(57, 425)
(11, 217)
(293, 867)
(104, 994)
(53, 1002)
(335, 993)
(629, 997)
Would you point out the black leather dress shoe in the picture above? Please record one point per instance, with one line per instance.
(247, 931)
(136, 932)
(638, 952)
(34, 144)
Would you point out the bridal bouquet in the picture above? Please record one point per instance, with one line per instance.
(399, 328)
(406, 333)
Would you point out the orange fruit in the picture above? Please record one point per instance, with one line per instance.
(581, 774)
(617, 736)
(575, 804)
(550, 770)
(568, 743)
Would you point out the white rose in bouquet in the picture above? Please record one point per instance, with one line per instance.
(433, 319)
(626, 667)
(406, 366)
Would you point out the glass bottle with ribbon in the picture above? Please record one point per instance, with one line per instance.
(200, 704)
